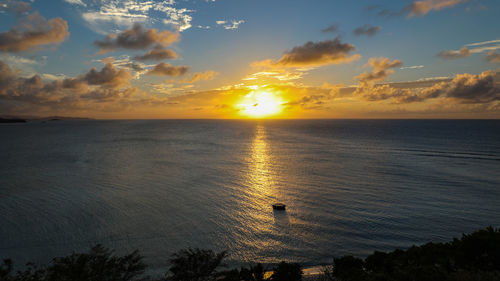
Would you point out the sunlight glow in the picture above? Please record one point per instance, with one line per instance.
(259, 104)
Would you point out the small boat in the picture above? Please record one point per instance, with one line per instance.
(279, 206)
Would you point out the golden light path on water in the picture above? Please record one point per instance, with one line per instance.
(261, 228)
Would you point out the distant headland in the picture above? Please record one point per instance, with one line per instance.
(12, 120)
(24, 119)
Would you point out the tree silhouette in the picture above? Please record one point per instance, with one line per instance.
(194, 265)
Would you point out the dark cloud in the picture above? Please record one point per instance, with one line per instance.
(17, 7)
(331, 29)
(108, 95)
(137, 38)
(467, 88)
(108, 76)
(158, 53)
(134, 66)
(462, 89)
(368, 30)
(94, 85)
(308, 102)
(165, 69)
(382, 67)
(382, 92)
(314, 54)
(451, 55)
(33, 31)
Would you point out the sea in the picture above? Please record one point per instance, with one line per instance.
(350, 187)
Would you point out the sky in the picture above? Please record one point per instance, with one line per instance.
(131, 59)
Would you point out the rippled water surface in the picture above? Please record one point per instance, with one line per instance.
(350, 186)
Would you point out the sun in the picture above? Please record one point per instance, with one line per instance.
(260, 104)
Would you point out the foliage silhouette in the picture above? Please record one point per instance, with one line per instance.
(252, 273)
(99, 264)
(287, 272)
(194, 265)
(473, 257)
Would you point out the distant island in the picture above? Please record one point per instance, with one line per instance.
(57, 118)
(12, 120)
(24, 119)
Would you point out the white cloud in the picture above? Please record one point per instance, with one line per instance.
(25, 65)
(76, 2)
(16, 60)
(116, 15)
(483, 43)
(484, 46)
(176, 17)
(52, 77)
(412, 67)
(234, 24)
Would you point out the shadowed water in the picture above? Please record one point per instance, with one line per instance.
(350, 186)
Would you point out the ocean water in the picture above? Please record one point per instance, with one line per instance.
(351, 186)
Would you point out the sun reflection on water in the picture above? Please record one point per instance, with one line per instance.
(260, 228)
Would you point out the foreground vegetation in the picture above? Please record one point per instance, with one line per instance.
(474, 257)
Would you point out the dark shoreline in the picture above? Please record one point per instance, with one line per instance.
(473, 257)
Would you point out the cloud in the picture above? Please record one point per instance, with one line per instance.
(493, 57)
(367, 29)
(231, 25)
(451, 55)
(484, 43)
(158, 53)
(109, 76)
(412, 67)
(382, 68)
(197, 76)
(275, 76)
(177, 17)
(84, 92)
(466, 88)
(17, 7)
(382, 92)
(331, 29)
(76, 2)
(111, 14)
(33, 31)
(417, 8)
(136, 38)
(420, 8)
(313, 54)
(473, 48)
(165, 69)
(462, 89)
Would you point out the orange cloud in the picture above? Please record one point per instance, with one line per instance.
(32, 31)
(420, 8)
(493, 57)
(158, 53)
(382, 68)
(450, 55)
(197, 76)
